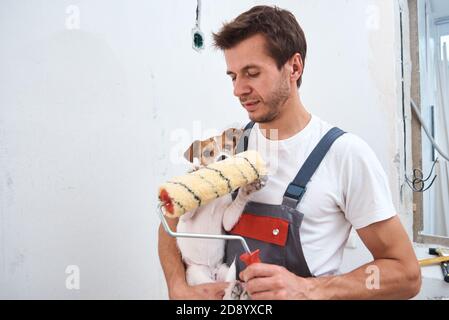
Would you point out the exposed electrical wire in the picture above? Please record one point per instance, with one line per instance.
(198, 12)
(402, 86)
(426, 130)
(417, 184)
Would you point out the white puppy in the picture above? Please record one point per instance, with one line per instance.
(204, 257)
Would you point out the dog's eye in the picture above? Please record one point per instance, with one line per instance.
(208, 153)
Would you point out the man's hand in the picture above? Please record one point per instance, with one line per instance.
(207, 291)
(272, 282)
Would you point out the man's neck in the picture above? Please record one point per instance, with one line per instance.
(291, 120)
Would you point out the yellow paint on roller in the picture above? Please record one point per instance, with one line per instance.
(185, 193)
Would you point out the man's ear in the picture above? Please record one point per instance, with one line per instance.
(194, 151)
(297, 66)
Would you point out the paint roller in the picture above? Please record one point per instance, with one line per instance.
(185, 193)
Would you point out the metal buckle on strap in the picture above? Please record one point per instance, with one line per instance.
(293, 195)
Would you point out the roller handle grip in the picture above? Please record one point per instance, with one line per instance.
(250, 258)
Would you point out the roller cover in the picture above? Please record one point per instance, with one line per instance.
(185, 193)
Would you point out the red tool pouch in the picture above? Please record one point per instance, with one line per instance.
(262, 228)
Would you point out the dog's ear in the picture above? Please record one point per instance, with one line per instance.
(194, 151)
(232, 135)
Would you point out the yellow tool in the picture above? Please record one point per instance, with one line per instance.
(427, 262)
(185, 193)
(442, 252)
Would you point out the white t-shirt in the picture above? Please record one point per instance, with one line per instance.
(349, 188)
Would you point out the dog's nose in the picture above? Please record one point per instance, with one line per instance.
(221, 157)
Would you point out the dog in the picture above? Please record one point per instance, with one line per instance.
(204, 258)
(203, 153)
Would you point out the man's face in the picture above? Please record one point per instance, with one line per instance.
(261, 88)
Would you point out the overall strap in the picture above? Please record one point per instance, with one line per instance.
(297, 187)
(242, 145)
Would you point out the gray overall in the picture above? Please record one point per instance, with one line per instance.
(274, 229)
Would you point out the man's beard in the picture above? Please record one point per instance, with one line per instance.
(274, 102)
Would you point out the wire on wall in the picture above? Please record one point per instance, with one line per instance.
(417, 183)
(427, 131)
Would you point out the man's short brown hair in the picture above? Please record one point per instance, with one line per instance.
(282, 32)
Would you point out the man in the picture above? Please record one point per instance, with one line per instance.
(265, 51)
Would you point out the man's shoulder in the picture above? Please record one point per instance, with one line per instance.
(350, 141)
(350, 145)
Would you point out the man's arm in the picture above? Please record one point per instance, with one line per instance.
(174, 271)
(394, 262)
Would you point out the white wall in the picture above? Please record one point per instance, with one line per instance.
(87, 117)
